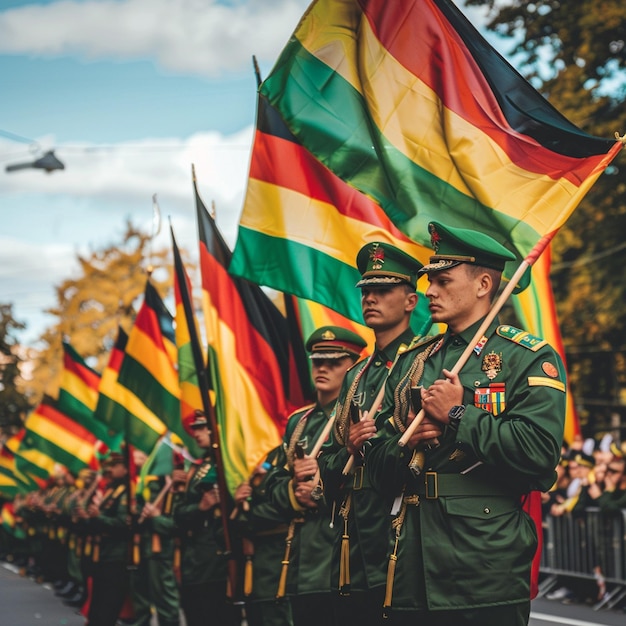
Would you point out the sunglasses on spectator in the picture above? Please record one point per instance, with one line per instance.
(613, 470)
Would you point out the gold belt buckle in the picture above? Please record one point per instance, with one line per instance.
(358, 478)
(431, 486)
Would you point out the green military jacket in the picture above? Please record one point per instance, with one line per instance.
(156, 533)
(111, 529)
(463, 538)
(311, 551)
(366, 517)
(263, 525)
(201, 535)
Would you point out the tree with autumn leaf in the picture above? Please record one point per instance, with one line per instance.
(14, 402)
(89, 307)
(574, 53)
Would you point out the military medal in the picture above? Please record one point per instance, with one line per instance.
(491, 398)
(478, 348)
(492, 365)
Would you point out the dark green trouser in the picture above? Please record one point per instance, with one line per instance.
(270, 613)
(154, 584)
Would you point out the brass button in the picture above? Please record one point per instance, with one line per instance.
(487, 510)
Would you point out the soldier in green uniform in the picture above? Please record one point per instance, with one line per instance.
(153, 582)
(388, 298)
(462, 546)
(108, 524)
(79, 564)
(197, 515)
(297, 492)
(263, 530)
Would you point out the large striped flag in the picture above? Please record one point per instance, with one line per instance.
(148, 369)
(28, 463)
(7, 515)
(248, 356)
(537, 312)
(120, 409)
(408, 104)
(54, 438)
(13, 480)
(190, 395)
(302, 227)
(78, 396)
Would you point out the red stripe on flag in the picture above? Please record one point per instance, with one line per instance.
(50, 413)
(312, 179)
(420, 38)
(249, 353)
(88, 376)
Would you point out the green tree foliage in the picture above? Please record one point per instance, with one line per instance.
(106, 294)
(574, 52)
(14, 402)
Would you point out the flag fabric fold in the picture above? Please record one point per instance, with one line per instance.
(149, 367)
(52, 437)
(14, 480)
(407, 103)
(123, 411)
(190, 393)
(536, 310)
(249, 356)
(29, 463)
(302, 226)
(78, 395)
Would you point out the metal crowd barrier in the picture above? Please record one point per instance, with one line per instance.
(587, 545)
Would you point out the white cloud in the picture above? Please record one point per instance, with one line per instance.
(28, 273)
(49, 218)
(203, 37)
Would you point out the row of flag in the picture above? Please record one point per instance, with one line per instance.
(377, 118)
(252, 373)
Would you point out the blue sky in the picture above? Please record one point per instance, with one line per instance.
(129, 93)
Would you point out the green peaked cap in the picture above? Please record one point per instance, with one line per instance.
(453, 246)
(334, 342)
(383, 265)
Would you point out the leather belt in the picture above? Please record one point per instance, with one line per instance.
(436, 485)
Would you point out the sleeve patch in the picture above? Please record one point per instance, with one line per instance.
(521, 337)
(540, 381)
(550, 369)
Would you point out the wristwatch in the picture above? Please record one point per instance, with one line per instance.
(317, 493)
(455, 414)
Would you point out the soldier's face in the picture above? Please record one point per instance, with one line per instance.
(328, 374)
(116, 471)
(202, 436)
(452, 297)
(386, 307)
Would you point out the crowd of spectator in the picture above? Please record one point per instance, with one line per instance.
(590, 475)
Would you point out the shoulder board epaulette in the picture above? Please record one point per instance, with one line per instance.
(423, 341)
(301, 410)
(521, 337)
